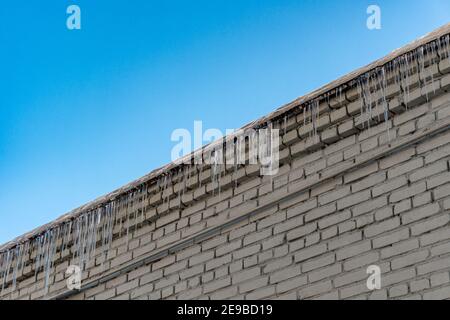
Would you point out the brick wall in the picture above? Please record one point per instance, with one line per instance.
(366, 183)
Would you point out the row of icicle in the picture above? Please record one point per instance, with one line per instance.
(83, 235)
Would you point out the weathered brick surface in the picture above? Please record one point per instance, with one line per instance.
(351, 197)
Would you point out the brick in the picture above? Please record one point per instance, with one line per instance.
(242, 231)
(278, 264)
(419, 285)
(347, 128)
(361, 260)
(440, 249)
(405, 167)
(272, 242)
(340, 145)
(227, 248)
(436, 236)
(444, 66)
(218, 262)
(438, 294)
(291, 283)
(415, 98)
(290, 137)
(301, 231)
(261, 293)
(422, 199)
(368, 182)
(127, 286)
(353, 250)
(352, 152)
(361, 173)
(353, 199)
(334, 219)
(443, 113)
(378, 295)
(202, 257)
(426, 120)
(398, 291)
(381, 227)
(328, 296)
(441, 192)
(329, 233)
(315, 290)
(397, 158)
(369, 144)
(285, 274)
(400, 207)
(257, 236)
(176, 267)
(351, 277)
(433, 266)
(433, 143)
(324, 273)
(225, 293)
(272, 220)
(247, 251)
(353, 290)
(310, 252)
(400, 248)
(168, 218)
(408, 192)
(407, 128)
(302, 208)
(398, 276)
(253, 284)
(105, 295)
(338, 115)
(317, 263)
(330, 135)
(429, 225)
(369, 206)
(409, 259)
(438, 180)
(320, 212)
(217, 284)
(446, 204)
(439, 279)
(334, 195)
(245, 275)
(315, 167)
(345, 240)
(428, 171)
(391, 238)
(389, 186)
(420, 213)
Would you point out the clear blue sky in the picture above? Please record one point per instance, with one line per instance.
(84, 112)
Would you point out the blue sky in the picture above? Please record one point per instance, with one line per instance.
(83, 112)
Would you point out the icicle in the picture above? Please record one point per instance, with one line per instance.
(181, 184)
(130, 197)
(236, 160)
(200, 166)
(385, 104)
(214, 170)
